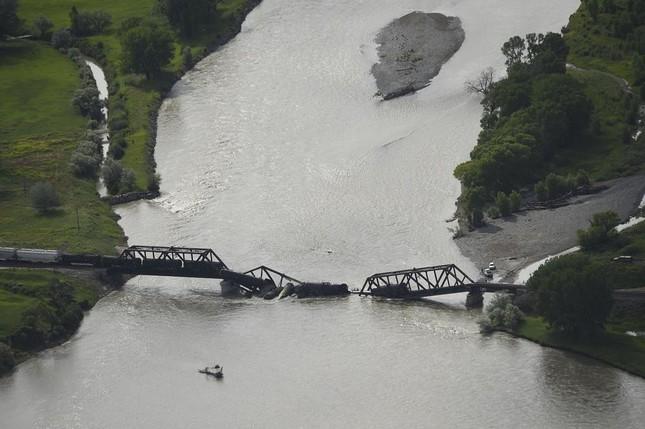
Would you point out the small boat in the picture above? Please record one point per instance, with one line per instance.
(216, 371)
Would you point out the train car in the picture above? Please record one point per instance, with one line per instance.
(38, 255)
(84, 259)
(7, 254)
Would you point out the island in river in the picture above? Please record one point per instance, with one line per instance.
(412, 50)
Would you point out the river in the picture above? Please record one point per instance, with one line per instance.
(274, 151)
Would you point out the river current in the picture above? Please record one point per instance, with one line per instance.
(274, 151)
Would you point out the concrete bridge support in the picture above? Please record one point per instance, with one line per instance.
(475, 298)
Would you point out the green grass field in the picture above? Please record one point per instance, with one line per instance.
(40, 129)
(614, 348)
(592, 48)
(604, 154)
(13, 305)
(142, 97)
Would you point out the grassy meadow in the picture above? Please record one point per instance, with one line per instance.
(613, 347)
(40, 129)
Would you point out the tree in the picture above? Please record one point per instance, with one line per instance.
(593, 8)
(188, 16)
(61, 39)
(501, 313)
(128, 181)
(88, 103)
(88, 23)
(44, 197)
(43, 26)
(146, 48)
(473, 200)
(9, 21)
(483, 83)
(112, 172)
(573, 295)
(513, 50)
(600, 231)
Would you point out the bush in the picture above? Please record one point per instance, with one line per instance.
(84, 165)
(582, 179)
(116, 151)
(493, 212)
(112, 172)
(61, 39)
(7, 361)
(89, 23)
(515, 200)
(503, 204)
(88, 103)
(128, 181)
(187, 57)
(42, 27)
(502, 313)
(573, 294)
(44, 197)
(155, 183)
(540, 191)
(600, 232)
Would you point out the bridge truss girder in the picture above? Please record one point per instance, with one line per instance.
(265, 273)
(161, 253)
(419, 279)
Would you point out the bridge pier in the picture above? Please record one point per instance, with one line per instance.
(475, 298)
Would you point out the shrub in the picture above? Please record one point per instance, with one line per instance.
(112, 172)
(582, 179)
(7, 361)
(493, 212)
(502, 313)
(42, 27)
(503, 204)
(44, 197)
(84, 165)
(88, 103)
(61, 39)
(515, 201)
(540, 191)
(187, 57)
(600, 232)
(116, 151)
(155, 183)
(89, 23)
(128, 181)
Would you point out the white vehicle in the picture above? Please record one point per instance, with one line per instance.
(488, 273)
(492, 266)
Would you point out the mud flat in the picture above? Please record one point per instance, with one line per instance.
(530, 236)
(412, 49)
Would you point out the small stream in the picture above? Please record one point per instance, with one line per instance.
(103, 130)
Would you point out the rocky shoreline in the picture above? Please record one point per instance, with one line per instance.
(412, 49)
(532, 235)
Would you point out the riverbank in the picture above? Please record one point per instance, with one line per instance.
(40, 309)
(613, 348)
(532, 235)
(412, 49)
